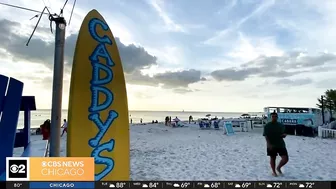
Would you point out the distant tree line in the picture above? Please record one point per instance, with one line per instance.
(327, 101)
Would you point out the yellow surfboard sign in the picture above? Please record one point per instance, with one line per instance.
(98, 113)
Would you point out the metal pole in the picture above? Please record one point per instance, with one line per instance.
(322, 103)
(56, 110)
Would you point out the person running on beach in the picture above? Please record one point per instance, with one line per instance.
(274, 132)
(65, 127)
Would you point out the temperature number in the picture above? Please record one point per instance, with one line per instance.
(309, 184)
(277, 185)
(120, 184)
(246, 184)
(185, 184)
(153, 184)
(215, 185)
(17, 185)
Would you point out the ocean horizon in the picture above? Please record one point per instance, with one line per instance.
(163, 111)
(40, 115)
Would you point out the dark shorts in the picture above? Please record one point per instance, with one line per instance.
(277, 151)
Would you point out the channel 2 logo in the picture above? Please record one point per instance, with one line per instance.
(17, 169)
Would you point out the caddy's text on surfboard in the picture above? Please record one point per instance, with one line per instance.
(101, 60)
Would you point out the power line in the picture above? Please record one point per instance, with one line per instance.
(47, 4)
(52, 17)
(73, 7)
(22, 8)
(65, 4)
(63, 7)
(37, 24)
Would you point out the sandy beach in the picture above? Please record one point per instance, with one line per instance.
(237, 63)
(159, 152)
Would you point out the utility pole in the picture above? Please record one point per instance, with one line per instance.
(57, 92)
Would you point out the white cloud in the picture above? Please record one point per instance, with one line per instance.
(169, 23)
(250, 48)
(227, 8)
(220, 37)
(265, 34)
(172, 56)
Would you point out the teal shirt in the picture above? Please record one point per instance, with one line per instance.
(274, 131)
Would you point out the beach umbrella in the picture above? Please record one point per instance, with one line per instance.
(208, 115)
(245, 115)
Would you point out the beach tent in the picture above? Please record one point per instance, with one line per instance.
(245, 115)
(177, 122)
(176, 119)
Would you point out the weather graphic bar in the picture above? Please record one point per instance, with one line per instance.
(171, 185)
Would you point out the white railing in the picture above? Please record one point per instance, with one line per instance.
(46, 152)
(241, 125)
(326, 133)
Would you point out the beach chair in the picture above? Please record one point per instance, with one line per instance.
(216, 124)
(201, 124)
(207, 125)
(299, 130)
(180, 124)
(228, 128)
(243, 126)
(11, 103)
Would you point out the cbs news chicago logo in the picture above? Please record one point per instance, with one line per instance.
(50, 169)
(17, 169)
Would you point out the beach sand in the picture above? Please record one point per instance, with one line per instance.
(159, 152)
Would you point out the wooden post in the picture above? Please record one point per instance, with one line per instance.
(26, 128)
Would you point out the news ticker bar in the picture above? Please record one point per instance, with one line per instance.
(170, 185)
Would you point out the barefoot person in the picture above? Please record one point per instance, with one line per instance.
(274, 132)
(65, 127)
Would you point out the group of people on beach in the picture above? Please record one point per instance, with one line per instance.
(45, 128)
(167, 120)
(131, 120)
(274, 133)
(176, 121)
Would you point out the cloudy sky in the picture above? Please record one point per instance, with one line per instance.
(197, 55)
